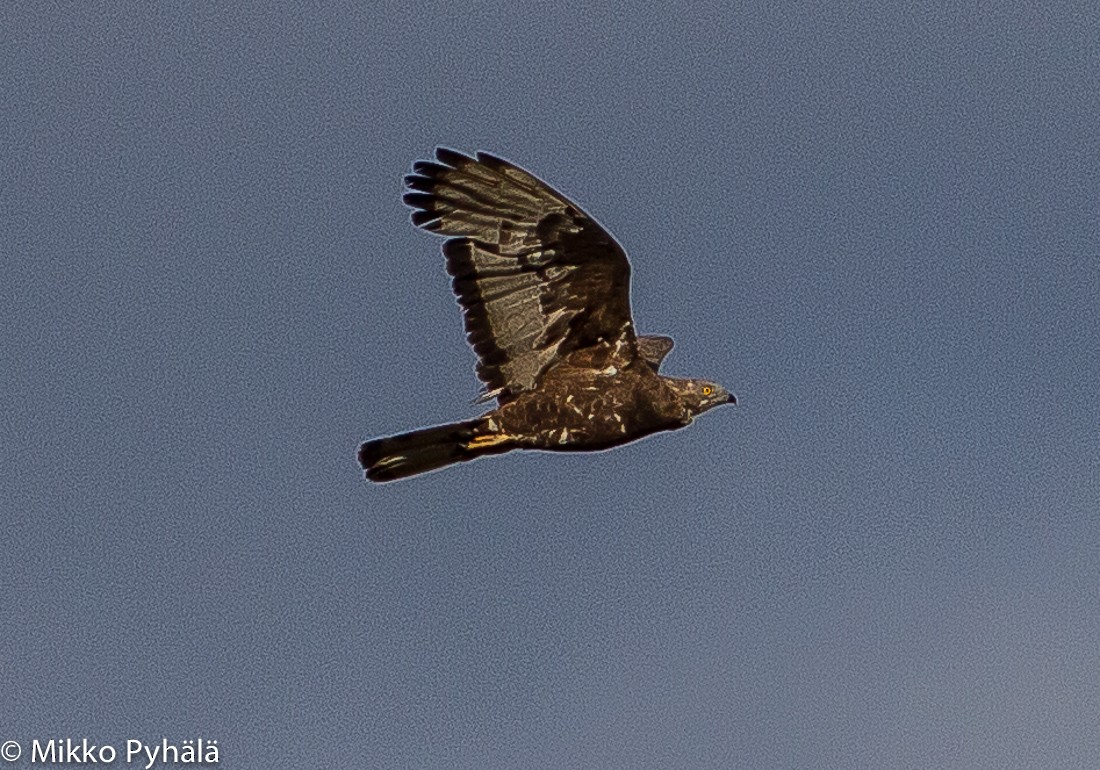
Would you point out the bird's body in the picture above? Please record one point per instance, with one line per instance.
(593, 399)
(545, 293)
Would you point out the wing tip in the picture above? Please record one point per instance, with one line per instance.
(424, 212)
(427, 220)
(447, 158)
(452, 158)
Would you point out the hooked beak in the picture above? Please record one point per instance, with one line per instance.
(732, 399)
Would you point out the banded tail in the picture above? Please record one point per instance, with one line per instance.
(427, 449)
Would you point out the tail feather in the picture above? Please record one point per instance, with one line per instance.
(427, 449)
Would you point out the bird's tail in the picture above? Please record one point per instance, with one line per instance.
(398, 457)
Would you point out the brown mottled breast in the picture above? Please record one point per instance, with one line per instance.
(588, 408)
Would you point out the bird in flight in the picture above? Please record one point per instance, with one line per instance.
(545, 292)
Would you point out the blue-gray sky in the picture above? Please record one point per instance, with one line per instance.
(878, 224)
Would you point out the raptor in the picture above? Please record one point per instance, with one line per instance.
(545, 292)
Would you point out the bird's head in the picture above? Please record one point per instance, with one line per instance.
(700, 395)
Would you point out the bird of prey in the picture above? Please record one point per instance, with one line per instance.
(545, 292)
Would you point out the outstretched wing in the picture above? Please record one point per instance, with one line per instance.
(535, 275)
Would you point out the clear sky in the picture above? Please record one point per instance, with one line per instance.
(878, 224)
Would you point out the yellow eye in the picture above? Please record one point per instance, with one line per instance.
(707, 390)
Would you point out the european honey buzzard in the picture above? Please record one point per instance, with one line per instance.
(545, 292)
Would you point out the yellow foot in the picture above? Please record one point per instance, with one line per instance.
(491, 439)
